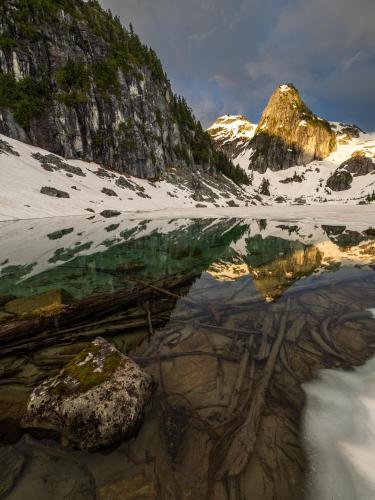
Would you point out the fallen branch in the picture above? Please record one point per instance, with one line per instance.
(242, 445)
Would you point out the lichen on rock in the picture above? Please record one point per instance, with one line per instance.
(97, 399)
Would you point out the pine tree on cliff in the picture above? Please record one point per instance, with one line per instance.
(75, 82)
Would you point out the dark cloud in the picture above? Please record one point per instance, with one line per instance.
(227, 57)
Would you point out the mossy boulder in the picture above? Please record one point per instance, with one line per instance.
(97, 399)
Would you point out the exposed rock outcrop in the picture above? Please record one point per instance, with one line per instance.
(358, 164)
(346, 132)
(289, 133)
(75, 82)
(341, 180)
(95, 400)
(53, 192)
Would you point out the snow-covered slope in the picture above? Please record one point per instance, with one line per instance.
(308, 183)
(36, 184)
(232, 133)
(305, 183)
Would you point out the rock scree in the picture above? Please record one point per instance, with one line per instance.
(96, 400)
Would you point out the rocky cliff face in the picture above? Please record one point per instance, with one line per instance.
(289, 134)
(75, 82)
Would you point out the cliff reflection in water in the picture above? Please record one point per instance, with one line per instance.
(257, 308)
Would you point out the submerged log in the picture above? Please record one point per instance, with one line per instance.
(241, 446)
(125, 310)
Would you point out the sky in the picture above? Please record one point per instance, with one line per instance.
(227, 57)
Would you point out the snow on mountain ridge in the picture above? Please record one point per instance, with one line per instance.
(305, 183)
(232, 133)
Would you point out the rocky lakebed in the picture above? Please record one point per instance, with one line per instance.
(186, 358)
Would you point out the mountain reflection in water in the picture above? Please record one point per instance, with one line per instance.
(255, 309)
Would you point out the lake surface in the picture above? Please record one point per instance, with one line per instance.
(259, 333)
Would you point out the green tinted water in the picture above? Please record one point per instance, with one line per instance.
(262, 306)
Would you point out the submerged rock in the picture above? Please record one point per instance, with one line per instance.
(96, 400)
(11, 465)
(47, 473)
(136, 487)
(41, 304)
(6, 298)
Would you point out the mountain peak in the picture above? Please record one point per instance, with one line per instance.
(289, 133)
(286, 87)
(232, 133)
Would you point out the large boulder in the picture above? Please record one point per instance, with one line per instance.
(96, 400)
(340, 180)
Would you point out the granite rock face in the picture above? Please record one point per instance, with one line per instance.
(75, 82)
(96, 400)
(289, 134)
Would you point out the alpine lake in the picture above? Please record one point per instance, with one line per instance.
(259, 335)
